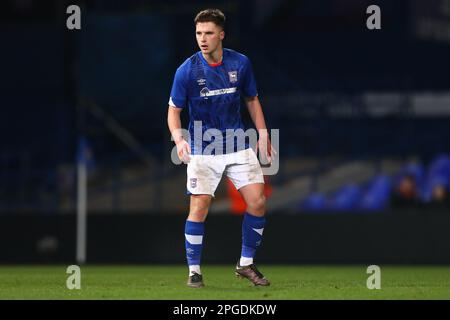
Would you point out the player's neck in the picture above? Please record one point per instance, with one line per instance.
(214, 57)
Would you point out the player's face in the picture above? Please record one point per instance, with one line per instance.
(209, 36)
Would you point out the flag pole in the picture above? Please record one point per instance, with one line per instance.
(81, 240)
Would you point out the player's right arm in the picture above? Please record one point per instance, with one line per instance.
(177, 102)
(174, 123)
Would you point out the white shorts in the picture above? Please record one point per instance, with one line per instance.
(204, 172)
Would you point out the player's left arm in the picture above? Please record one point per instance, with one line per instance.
(257, 115)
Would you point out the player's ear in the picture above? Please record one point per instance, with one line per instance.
(222, 35)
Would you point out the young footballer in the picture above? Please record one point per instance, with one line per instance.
(210, 84)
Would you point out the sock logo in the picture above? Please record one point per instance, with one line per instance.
(259, 231)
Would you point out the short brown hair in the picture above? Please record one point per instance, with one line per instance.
(211, 15)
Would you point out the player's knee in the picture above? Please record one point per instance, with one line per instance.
(257, 204)
(199, 208)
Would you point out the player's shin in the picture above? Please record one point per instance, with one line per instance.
(194, 242)
(252, 230)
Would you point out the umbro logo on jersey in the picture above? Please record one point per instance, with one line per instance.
(201, 82)
(205, 92)
(232, 76)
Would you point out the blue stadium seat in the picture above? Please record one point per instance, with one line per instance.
(440, 165)
(433, 181)
(414, 169)
(314, 202)
(438, 174)
(345, 199)
(377, 194)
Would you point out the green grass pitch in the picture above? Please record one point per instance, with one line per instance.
(169, 282)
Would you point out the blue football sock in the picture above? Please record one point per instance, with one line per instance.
(252, 230)
(193, 233)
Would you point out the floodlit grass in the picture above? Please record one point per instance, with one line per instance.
(169, 282)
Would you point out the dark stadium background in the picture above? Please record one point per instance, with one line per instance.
(354, 106)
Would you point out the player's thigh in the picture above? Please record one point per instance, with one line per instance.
(246, 174)
(245, 169)
(253, 195)
(203, 175)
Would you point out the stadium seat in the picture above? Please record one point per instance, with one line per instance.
(440, 165)
(414, 169)
(345, 199)
(438, 173)
(377, 194)
(314, 202)
(433, 181)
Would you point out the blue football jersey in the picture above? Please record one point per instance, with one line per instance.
(212, 94)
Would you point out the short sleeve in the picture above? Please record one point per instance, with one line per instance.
(249, 83)
(178, 94)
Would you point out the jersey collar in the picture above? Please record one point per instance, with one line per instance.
(215, 64)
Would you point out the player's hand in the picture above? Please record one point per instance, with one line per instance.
(183, 151)
(266, 150)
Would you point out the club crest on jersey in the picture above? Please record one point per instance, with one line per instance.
(193, 182)
(232, 76)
